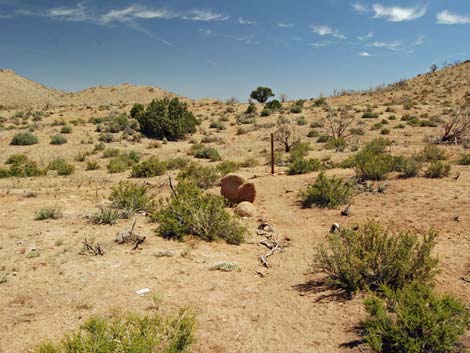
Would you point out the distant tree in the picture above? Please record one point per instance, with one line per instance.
(283, 97)
(262, 94)
(433, 68)
(165, 118)
(232, 101)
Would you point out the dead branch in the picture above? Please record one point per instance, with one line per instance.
(137, 243)
(90, 249)
(339, 122)
(172, 187)
(457, 127)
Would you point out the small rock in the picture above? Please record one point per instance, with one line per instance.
(245, 209)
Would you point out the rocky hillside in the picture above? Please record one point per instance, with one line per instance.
(17, 91)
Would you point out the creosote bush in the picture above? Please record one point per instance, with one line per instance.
(203, 176)
(21, 166)
(165, 118)
(437, 169)
(326, 192)
(415, 320)
(373, 162)
(24, 139)
(150, 168)
(53, 212)
(204, 152)
(303, 166)
(369, 255)
(464, 159)
(61, 166)
(105, 215)
(129, 333)
(58, 140)
(190, 211)
(130, 197)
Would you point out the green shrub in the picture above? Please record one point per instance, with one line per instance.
(415, 320)
(165, 118)
(123, 162)
(326, 192)
(313, 133)
(266, 112)
(296, 109)
(193, 212)
(338, 144)
(106, 215)
(251, 109)
(205, 152)
(110, 152)
(303, 166)
(299, 150)
(204, 177)
(411, 167)
(53, 212)
(219, 125)
(16, 159)
(369, 255)
(61, 166)
(92, 165)
(464, 159)
(301, 121)
(129, 333)
(150, 168)
(177, 163)
(385, 132)
(227, 167)
(437, 169)
(319, 102)
(273, 105)
(373, 163)
(130, 197)
(432, 153)
(24, 139)
(370, 115)
(66, 129)
(58, 140)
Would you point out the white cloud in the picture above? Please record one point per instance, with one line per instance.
(285, 25)
(419, 41)
(394, 46)
(359, 7)
(318, 45)
(323, 30)
(204, 15)
(449, 18)
(243, 21)
(366, 37)
(398, 14)
(365, 54)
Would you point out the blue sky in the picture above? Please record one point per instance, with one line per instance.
(226, 48)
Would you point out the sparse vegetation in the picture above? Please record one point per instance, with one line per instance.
(61, 166)
(58, 140)
(24, 139)
(326, 192)
(52, 212)
(131, 197)
(190, 211)
(150, 168)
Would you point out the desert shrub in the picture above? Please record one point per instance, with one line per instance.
(410, 167)
(249, 163)
(66, 129)
(193, 212)
(227, 167)
(373, 163)
(262, 94)
(319, 102)
(219, 125)
(111, 152)
(376, 126)
(369, 255)
(106, 138)
(273, 105)
(129, 333)
(313, 133)
(61, 166)
(357, 131)
(53, 212)
(133, 156)
(296, 109)
(165, 118)
(245, 119)
(437, 169)
(303, 166)
(105, 215)
(130, 197)
(432, 153)
(415, 320)
(251, 109)
(205, 152)
(370, 115)
(316, 124)
(119, 164)
(299, 150)
(177, 163)
(326, 192)
(58, 140)
(92, 165)
(16, 159)
(150, 168)
(464, 159)
(266, 112)
(4, 173)
(24, 139)
(338, 144)
(323, 139)
(204, 177)
(385, 131)
(301, 121)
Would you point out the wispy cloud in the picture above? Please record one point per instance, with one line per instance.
(244, 21)
(397, 13)
(323, 30)
(365, 54)
(394, 46)
(319, 45)
(360, 7)
(366, 36)
(449, 18)
(246, 39)
(285, 25)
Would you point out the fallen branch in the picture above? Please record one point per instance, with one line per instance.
(89, 248)
(137, 243)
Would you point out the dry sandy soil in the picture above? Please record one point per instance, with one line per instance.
(280, 311)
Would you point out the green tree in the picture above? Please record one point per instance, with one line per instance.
(262, 94)
(165, 118)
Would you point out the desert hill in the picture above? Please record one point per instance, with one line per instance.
(17, 91)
